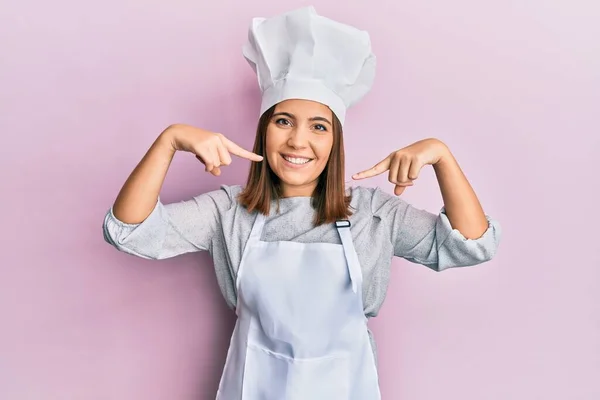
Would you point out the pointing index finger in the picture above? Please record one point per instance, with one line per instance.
(239, 151)
(378, 169)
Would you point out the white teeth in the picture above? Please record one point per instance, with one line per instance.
(299, 161)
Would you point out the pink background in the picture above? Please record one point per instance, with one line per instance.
(513, 87)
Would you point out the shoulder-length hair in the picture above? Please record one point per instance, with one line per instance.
(328, 199)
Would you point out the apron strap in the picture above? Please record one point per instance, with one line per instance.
(257, 228)
(343, 228)
(255, 236)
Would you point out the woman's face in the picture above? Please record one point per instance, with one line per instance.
(298, 144)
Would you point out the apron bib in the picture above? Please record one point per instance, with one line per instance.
(301, 332)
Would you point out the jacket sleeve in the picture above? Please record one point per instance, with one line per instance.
(170, 229)
(426, 238)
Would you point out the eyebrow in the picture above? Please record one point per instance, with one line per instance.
(310, 119)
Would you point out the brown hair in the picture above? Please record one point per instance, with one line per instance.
(329, 198)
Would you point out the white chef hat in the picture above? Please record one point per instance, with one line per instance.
(302, 55)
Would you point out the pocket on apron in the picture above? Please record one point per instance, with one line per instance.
(273, 376)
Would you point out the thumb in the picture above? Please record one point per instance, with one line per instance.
(398, 190)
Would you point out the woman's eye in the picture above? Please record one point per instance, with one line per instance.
(320, 127)
(282, 121)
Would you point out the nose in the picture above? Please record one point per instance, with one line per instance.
(298, 138)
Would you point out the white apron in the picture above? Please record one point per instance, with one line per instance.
(301, 332)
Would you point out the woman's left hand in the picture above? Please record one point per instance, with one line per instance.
(405, 164)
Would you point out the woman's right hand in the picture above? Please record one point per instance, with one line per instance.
(212, 149)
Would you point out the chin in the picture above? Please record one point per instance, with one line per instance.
(297, 186)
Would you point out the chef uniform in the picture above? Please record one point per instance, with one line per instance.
(301, 332)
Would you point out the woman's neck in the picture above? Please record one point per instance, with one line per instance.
(306, 190)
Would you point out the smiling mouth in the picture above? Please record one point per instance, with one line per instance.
(296, 160)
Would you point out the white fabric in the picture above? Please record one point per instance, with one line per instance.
(302, 55)
(301, 331)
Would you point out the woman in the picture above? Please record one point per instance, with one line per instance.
(303, 260)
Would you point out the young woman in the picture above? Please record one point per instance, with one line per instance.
(302, 259)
